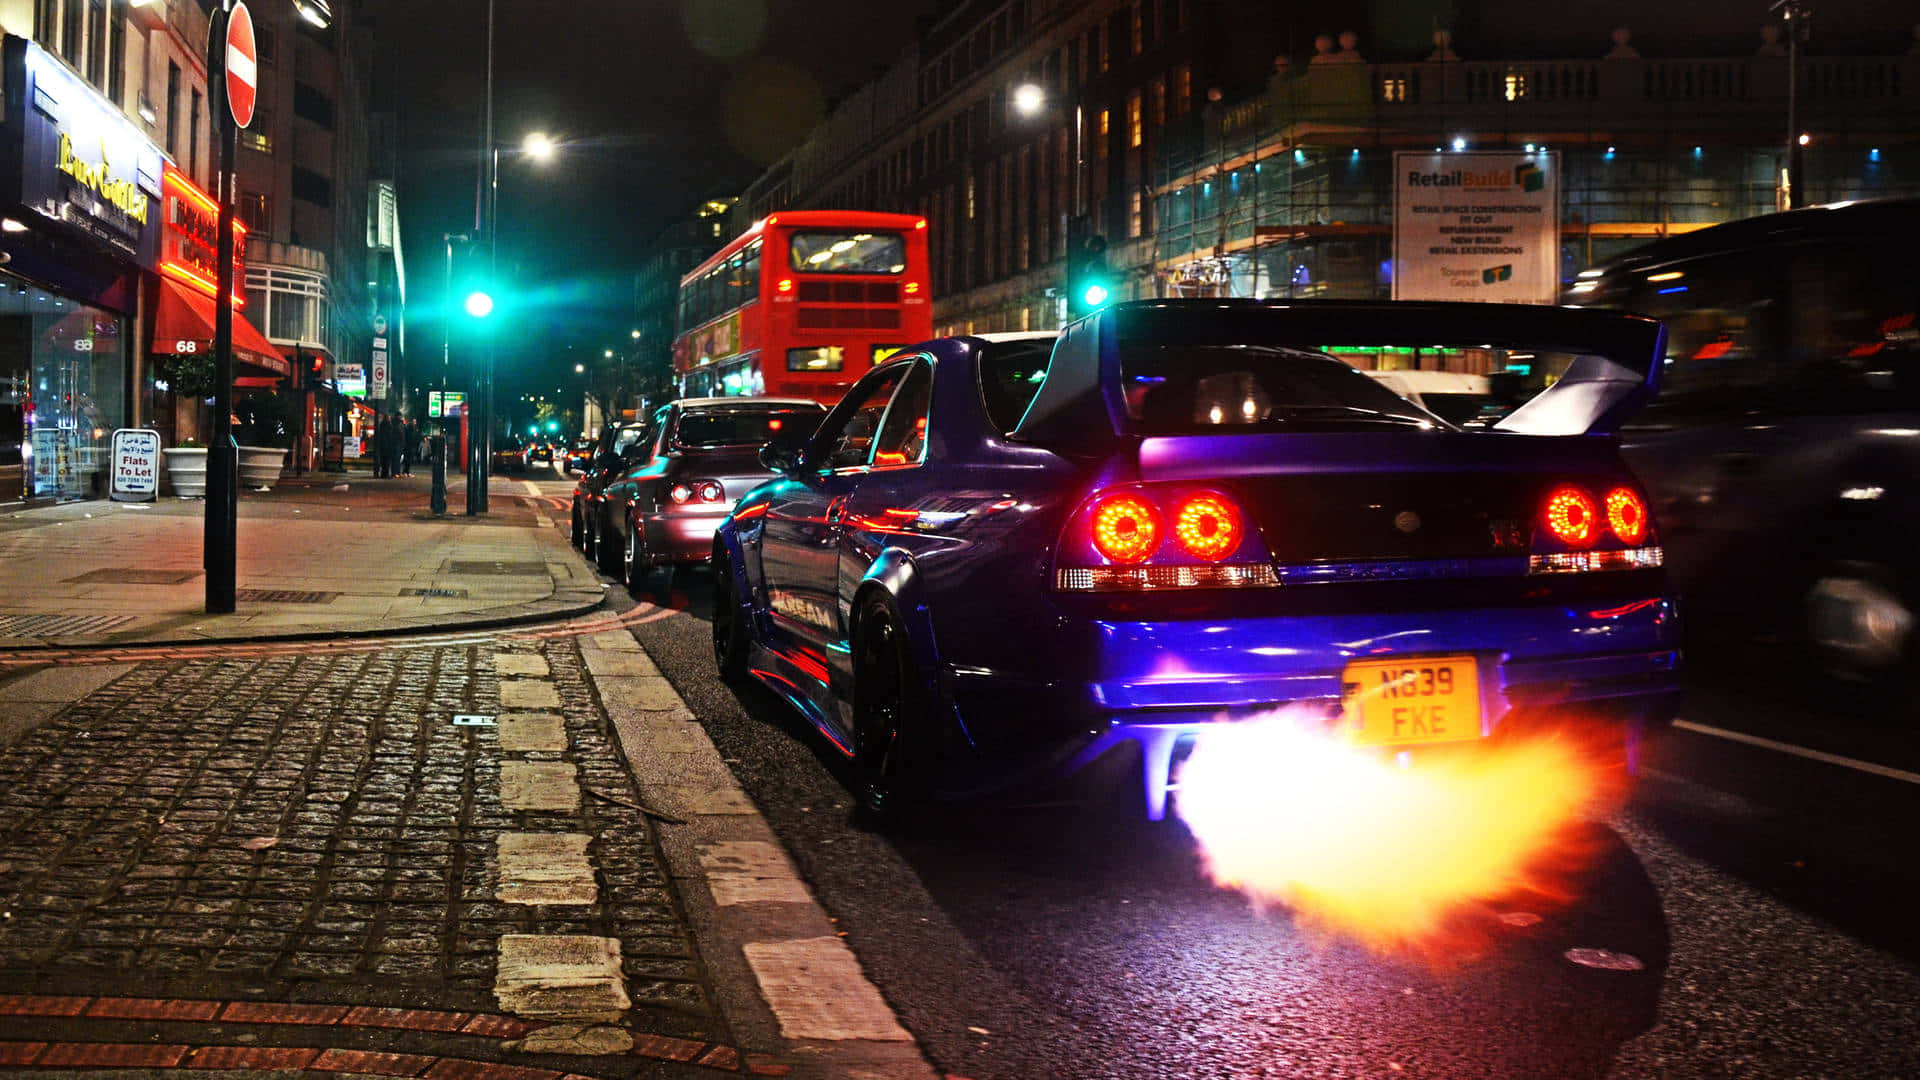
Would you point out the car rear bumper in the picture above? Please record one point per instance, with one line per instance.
(683, 536)
(1149, 685)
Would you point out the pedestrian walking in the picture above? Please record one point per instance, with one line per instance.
(396, 445)
(409, 438)
(382, 457)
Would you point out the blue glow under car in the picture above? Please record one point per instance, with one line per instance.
(1003, 558)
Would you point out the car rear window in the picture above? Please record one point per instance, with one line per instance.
(709, 428)
(1182, 389)
(1010, 374)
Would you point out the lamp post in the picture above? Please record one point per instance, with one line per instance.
(1796, 16)
(1030, 100)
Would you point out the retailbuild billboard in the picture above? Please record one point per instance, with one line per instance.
(1476, 225)
(77, 159)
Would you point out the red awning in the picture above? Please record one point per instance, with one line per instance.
(183, 324)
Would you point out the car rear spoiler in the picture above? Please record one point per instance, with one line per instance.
(1617, 371)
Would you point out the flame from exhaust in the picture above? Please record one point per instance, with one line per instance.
(1354, 844)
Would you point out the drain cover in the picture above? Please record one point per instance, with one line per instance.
(132, 575)
(283, 596)
(446, 593)
(473, 720)
(40, 626)
(483, 567)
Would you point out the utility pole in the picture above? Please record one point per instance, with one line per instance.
(1792, 182)
(218, 545)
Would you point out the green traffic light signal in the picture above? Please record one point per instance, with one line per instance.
(553, 425)
(479, 304)
(1095, 295)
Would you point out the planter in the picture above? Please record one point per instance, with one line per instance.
(187, 470)
(260, 465)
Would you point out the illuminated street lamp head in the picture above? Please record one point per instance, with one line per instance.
(479, 304)
(609, 354)
(579, 369)
(1029, 99)
(317, 12)
(636, 335)
(539, 146)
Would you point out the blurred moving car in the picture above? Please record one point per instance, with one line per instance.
(617, 446)
(1783, 455)
(662, 510)
(579, 454)
(509, 454)
(1458, 398)
(1002, 558)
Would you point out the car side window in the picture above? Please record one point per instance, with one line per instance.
(903, 435)
(848, 434)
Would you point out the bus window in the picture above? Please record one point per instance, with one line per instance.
(848, 253)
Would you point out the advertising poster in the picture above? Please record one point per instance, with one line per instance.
(1476, 225)
(136, 465)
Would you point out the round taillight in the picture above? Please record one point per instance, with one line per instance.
(679, 493)
(711, 491)
(1207, 527)
(1126, 528)
(1572, 517)
(1627, 515)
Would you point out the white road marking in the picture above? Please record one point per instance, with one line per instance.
(750, 871)
(1800, 751)
(817, 991)
(545, 868)
(539, 505)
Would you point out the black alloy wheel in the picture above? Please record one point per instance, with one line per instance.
(608, 555)
(729, 628)
(893, 759)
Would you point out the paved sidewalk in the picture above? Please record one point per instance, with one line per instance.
(317, 557)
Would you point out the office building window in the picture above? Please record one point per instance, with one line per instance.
(193, 139)
(1157, 97)
(46, 21)
(1103, 134)
(97, 42)
(1134, 135)
(1393, 89)
(173, 108)
(1136, 29)
(117, 56)
(310, 103)
(1182, 89)
(253, 213)
(71, 14)
(1135, 216)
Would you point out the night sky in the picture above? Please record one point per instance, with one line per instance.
(659, 105)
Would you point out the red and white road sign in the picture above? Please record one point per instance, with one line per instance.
(243, 65)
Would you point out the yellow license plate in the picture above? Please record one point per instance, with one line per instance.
(1411, 700)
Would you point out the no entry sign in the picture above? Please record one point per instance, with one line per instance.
(243, 65)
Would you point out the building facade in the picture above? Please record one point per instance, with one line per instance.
(1222, 151)
(656, 288)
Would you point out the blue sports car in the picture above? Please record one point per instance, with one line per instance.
(1003, 558)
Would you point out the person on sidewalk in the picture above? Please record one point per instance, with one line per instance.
(396, 446)
(409, 438)
(382, 451)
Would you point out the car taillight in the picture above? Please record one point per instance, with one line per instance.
(1206, 526)
(1627, 515)
(1126, 528)
(711, 491)
(679, 493)
(1571, 516)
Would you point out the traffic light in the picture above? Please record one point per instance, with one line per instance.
(313, 374)
(1089, 284)
(479, 304)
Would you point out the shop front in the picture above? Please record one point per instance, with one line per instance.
(79, 221)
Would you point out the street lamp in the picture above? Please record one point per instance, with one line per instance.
(1030, 100)
(539, 146)
(579, 369)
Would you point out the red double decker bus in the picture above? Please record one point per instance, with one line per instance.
(802, 304)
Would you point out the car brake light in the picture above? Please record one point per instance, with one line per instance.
(1627, 515)
(679, 493)
(1572, 517)
(1207, 526)
(1126, 528)
(711, 491)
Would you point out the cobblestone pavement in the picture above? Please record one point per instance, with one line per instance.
(314, 828)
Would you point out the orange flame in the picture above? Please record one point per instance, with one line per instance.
(1354, 844)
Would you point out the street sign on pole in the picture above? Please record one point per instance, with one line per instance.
(242, 65)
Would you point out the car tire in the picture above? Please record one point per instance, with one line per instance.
(644, 579)
(579, 533)
(1859, 623)
(730, 644)
(608, 556)
(895, 758)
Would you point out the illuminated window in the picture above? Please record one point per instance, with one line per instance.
(1133, 119)
(818, 358)
(1137, 28)
(1157, 91)
(256, 140)
(1100, 143)
(1136, 215)
(1182, 86)
(1516, 86)
(969, 198)
(1393, 89)
(253, 212)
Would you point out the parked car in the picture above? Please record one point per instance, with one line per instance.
(617, 446)
(1002, 558)
(539, 452)
(509, 454)
(579, 454)
(662, 510)
(1783, 456)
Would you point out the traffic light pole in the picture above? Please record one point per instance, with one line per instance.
(218, 543)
